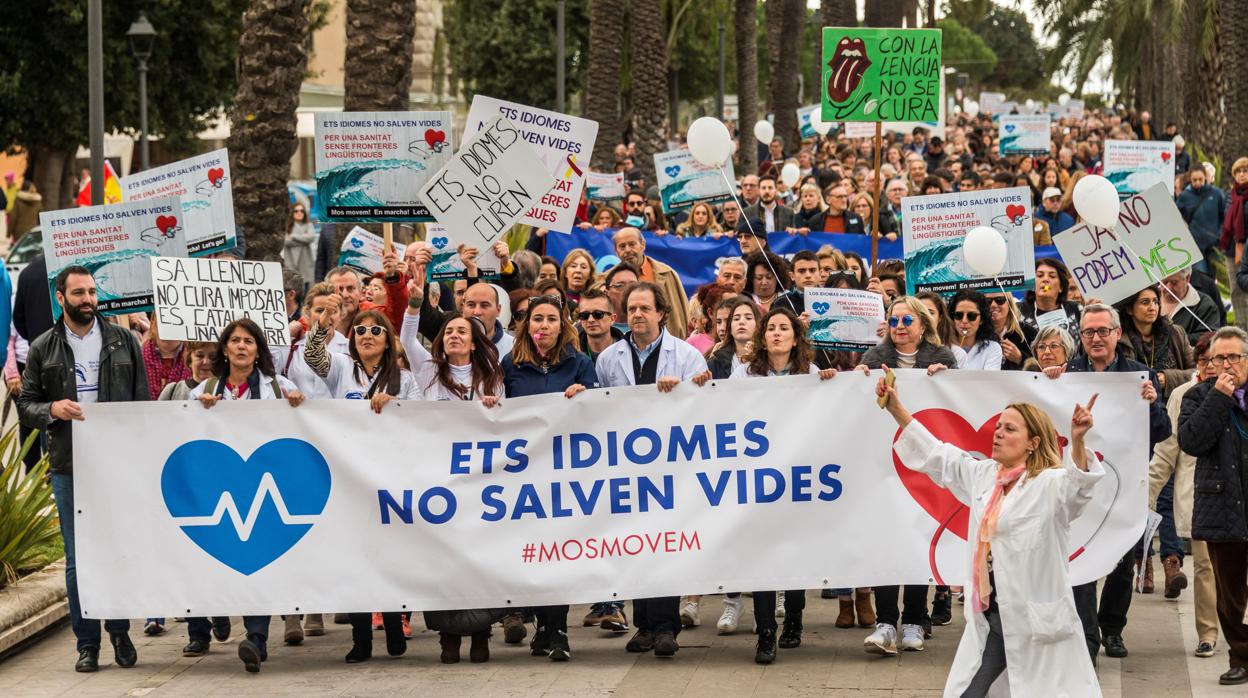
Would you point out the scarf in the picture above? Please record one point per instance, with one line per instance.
(157, 375)
(1233, 227)
(981, 587)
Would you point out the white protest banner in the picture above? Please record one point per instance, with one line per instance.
(489, 184)
(683, 181)
(447, 264)
(1134, 166)
(197, 297)
(932, 229)
(114, 241)
(615, 494)
(361, 250)
(992, 103)
(369, 165)
(206, 189)
(603, 186)
(563, 143)
(1025, 134)
(1150, 242)
(843, 318)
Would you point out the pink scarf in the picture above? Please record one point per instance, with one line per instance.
(981, 588)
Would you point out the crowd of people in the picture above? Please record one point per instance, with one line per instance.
(548, 325)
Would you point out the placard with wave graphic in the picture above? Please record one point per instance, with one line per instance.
(842, 318)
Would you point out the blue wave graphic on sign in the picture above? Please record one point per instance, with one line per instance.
(347, 184)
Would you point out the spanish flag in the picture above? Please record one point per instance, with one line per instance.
(112, 187)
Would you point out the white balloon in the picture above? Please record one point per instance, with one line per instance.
(789, 174)
(763, 131)
(984, 250)
(1096, 201)
(1063, 98)
(709, 141)
(971, 107)
(1031, 104)
(821, 127)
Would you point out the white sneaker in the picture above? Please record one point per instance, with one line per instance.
(912, 638)
(728, 619)
(689, 615)
(883, 640)
(780, 604)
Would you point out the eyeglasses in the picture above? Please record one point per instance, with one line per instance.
(1102, 332)
(595, 314)
(553, 300)
(1049, 346)
(375, 330)
(999, 300)
(969, 316)
(1227, 359)
(906, 320)
(1203, 361)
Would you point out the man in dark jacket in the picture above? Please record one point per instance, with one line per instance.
(32, 316)
(1203, 208)
(1099, 331)
(1213, 425)
(80, 360)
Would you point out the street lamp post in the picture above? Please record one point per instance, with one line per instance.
(141, 35)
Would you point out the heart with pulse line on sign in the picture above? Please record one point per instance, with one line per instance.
(245, 513)
(820, 307)
(1009, 128)
(440, 242)
(672, 170)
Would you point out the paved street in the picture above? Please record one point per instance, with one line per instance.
(830, 662)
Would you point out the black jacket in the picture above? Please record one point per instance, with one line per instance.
(49, 376)
(32, 306)
(1209, 429)
(720, 363)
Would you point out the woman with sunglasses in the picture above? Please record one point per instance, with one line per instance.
(944, 323)
(970, 316)
(299, 251)
(1014, 338)
(1050, 296)
(519, 308)
(544, 360)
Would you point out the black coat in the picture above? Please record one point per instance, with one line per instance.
(1207, 430)
(32, 307)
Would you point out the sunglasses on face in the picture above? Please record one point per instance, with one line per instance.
(998, 300)
(595, 314)
(519, 315)
(375, 330)
(969, 316)
(906, 320)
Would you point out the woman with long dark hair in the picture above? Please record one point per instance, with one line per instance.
(738, 344)
(1157, 343)
(1050, 295)
(974, 332)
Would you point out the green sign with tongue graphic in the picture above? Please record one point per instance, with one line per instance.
(881, 74)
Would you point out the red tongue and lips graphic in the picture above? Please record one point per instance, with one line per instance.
(848, 66)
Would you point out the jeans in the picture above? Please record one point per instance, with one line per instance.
(914, 602)
(552, 618)
(993, 661)
(86, 630)
(1171, 544)
(1115, 602)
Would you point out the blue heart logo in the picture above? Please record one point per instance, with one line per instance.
(357, 243)
(1009, 128)
(440, 242)
(820, 308)
(245, 513)
(672, 171)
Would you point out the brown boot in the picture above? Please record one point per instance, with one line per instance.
(479, 651)
(450, 647)
(1147, 586)
(862, 604)
(846, 617)
(1176, 581)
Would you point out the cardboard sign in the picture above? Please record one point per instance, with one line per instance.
(361, 250)
(1150, 242)
(489, 185)
(114, 242)
(1134, 166)
(197, 298)
(932, 229)
(843, 318)
(992, 103)
(601, 186)
(369, 165)
(881, 74)
(562, 143)
(1024, 135)
(683, 181)
(204, 184)
(866, 129)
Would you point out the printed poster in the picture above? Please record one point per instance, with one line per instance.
(992, 103)
(1024, 135)
(881, 74)
(843, 318)
(446, 262)
(866, 129)
(205, 186)
(683, 181)
(370, 165)
(1134, 166)
(603, 186)
(362, 250)
(803, 121)
(932, 229)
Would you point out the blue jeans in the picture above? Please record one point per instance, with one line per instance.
(87, 631)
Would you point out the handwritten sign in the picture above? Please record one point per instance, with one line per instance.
(683, 181)
(1024, 135)
(197, 298)
(361, 250)
(113, 242)
(843, 318)
(369, 165)
(881, 74)
(601, 186)
(204, 183)
(1134, 166)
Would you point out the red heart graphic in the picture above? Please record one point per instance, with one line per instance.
(164, 223)
(215, 175)
(1165, 157)
(1015, 211)
(434, 137)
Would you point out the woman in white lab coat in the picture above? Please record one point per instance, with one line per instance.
(1020, 613)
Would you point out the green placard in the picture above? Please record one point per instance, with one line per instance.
(881, 74)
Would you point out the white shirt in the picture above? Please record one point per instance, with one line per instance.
(743, 371)
(298, 370)
(87, 360)
(769, 214)
(347, 383)
(983, 356)
(266, 389)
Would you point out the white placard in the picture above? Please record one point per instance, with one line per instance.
(683, 181)
(603, 186)
(992, 103)
(206, 188)
(1134, 166)
(1020, 134)
(197, 298)
(362, 250)
(843, 318)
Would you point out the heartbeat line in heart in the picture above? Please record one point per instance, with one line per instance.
(244, 526)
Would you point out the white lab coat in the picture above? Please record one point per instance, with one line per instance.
(294, 367)
(1045, 651)
(676, 358)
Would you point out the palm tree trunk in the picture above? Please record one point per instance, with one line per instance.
(883, 13)
(271, 63)
(602, 79)
(1208, 120)
(839, 13)
(648, 55)
(784, 82)
(377, 66)
(744, 23)
(1233, 40)
(773, 17)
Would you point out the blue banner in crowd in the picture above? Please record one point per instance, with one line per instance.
(697, 259)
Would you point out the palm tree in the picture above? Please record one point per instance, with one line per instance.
(784, 80)
(744, 23)
(883, 13)
(1232, 22)
(602, 78)
(377, 66)
(271, 63)
(648, 56)
(839, 13)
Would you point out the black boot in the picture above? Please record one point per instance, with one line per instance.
(361, 638)
(942, 611)
(539, 646)
(766, 652)
(396, 643)
(791, 636)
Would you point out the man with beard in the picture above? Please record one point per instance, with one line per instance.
(80, 360)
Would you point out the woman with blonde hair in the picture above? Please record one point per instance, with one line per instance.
(810, 209)
(700, 223)
(577, 273)
(1015, 339)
